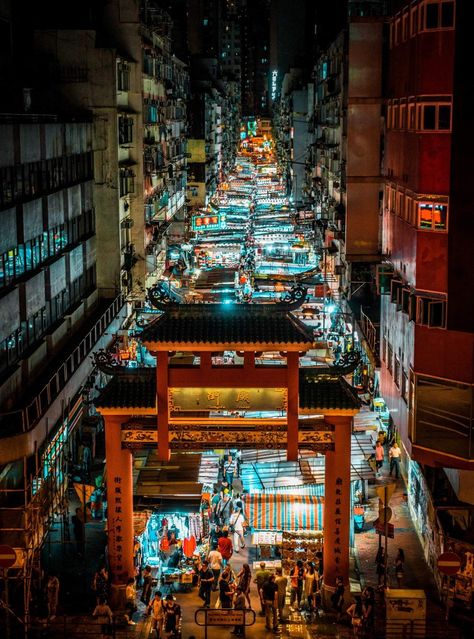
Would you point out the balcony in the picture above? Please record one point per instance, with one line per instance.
(63, 378)
(371, 331)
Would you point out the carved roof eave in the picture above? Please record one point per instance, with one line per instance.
(290, 301)
(349, 362)
(107, 364)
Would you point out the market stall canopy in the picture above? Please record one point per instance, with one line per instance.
(284, 512)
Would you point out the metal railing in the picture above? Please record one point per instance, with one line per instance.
(371, 332)
(24, 419)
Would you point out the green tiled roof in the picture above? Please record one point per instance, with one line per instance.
(227, 323)
(136, 389)
(326, 392)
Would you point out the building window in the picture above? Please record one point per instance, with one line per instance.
(125, 127)
(396, 372)
(123, 76)
(404, 389)
(389, 358)
(431, 312)
(434, 117)
(126, 180)
(414, 21)
(432, 216)
(439, 15)
(405, 27)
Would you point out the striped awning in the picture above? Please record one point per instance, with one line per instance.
(284, 512)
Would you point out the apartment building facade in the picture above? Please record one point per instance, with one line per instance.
(426, 324)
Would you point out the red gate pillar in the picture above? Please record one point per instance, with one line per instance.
(293, 372)
(119, 480)
(337, 501)
(162, 405)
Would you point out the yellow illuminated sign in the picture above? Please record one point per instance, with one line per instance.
(227, 399)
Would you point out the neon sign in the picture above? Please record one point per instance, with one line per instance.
(208, 222)
(274, 83)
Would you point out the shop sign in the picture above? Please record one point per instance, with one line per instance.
(227, 399)
(224, 617)
(211, 222)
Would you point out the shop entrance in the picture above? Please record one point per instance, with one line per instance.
(242, 405)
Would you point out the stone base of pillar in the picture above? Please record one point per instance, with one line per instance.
(328, 591)
(326, 594)
(117, 598)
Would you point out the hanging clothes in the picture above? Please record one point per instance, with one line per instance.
(189, 546)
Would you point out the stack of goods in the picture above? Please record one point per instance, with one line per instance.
(300, 545)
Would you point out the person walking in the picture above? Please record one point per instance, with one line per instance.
(356, 613)
(310, 586)
(224, 510)
(380, 565)
(236, 523)
(399, 561)
(395, 454)
(52, 595)
(215, 563)
(281, 583)
(100, 583)
(296, 580)
(147, 585)
(261, 576)
(379, 457)
(130, 601)
(368, 606)
(156, 609)
(225, 589)
(239, 604)
(172, 616)
(103, 614)
(244, 578)
(224, 546)
(229, 470)
(270, 599)
(206, 579)
(78, 528)
(337, 598)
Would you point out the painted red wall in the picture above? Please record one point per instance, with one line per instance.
(442, 353)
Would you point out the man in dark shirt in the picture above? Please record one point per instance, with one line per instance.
(270, 599)
(206, 579)
(172, 614)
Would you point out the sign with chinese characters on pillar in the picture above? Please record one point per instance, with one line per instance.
(116, 539)
(336, 542)
(230, 400)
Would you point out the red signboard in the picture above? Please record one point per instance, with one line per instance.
(449, 563)
(7, 557)
(380, 529)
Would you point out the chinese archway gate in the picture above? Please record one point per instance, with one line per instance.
(203, 406)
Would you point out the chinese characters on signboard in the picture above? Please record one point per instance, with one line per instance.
(336, 542)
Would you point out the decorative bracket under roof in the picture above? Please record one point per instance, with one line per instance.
(293, 298)
(106, 363)
(161, 297)
(346, 365)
